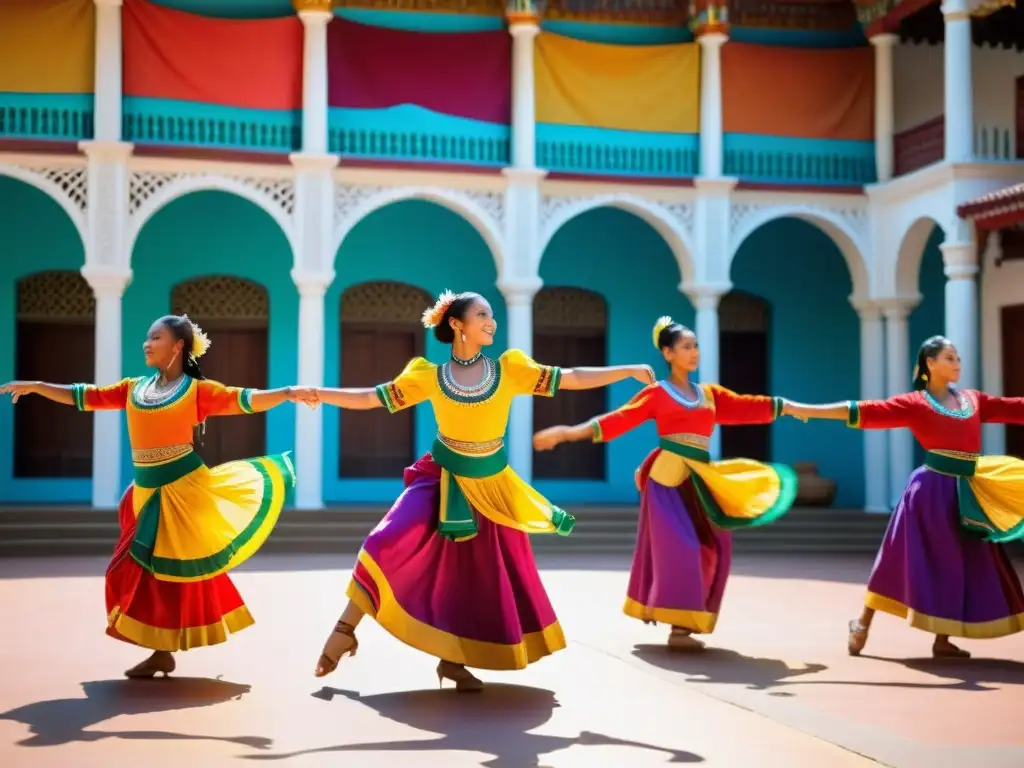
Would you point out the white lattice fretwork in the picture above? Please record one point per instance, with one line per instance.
(144, 185)
(73, 182)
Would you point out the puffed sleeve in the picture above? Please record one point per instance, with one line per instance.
(630, 416)
(528, 377)
(114, 397)
(410, 387)
(733, 408)
(896, 412)
(216, 399)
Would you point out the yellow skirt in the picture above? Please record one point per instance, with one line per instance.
(195, 522)
(734, 493)
(506, 499)
(992, 500)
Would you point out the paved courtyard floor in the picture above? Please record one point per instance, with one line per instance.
(776, 687)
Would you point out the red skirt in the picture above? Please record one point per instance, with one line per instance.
(166, 615)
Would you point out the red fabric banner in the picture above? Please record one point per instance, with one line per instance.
(169, 54)
(460, 74)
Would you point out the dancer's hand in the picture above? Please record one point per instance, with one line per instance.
(308, 395)
(18, 388)
(548, 438)
(645, 375)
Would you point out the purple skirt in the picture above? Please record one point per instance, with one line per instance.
(932, 572)
(478, 602)
(681, 562)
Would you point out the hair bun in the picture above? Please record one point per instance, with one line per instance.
(663, 322)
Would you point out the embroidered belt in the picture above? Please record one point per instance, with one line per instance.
(472, 449)
(687, 445)
(955, 463)
(157, 467)
(455, 521)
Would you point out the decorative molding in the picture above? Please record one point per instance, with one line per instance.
(385, 302)
(221, 297)
(66, 185)
(55, 296)
(560, 308)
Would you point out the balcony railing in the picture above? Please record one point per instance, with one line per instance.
(925, 144)
(806, 162)
(46, 117)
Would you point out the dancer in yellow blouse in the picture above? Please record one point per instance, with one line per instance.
(183, 525)
(449, 570)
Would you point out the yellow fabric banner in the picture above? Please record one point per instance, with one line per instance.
(46, 46)
(653, 88)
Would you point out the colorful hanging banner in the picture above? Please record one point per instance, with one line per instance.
(458, 74)
(169, 54)
(653, 88)
(798, 92)
(47, 46)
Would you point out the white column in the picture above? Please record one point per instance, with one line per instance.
(524, 29)
(519, 311)
(872, 387)
(108, 285)
(959, 95)
(711, 103)
(107, 103)
(312, 275)
(315, 14)
(961, 268)
(309, 424)
(705, 300)
(898, 375)
(884, 104)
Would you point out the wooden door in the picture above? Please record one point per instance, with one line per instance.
(238, 357)
(583, 460)
(52, 440)
(1012, 323)
(376, 443)
(743, 368)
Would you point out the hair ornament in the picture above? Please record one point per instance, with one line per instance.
(432, 316)
(663, 322)
(200, 341)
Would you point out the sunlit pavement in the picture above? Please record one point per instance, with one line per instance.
(776, 687)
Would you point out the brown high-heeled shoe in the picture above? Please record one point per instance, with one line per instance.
(159, 662)
(949, 651)
(857, 638)
(341, 642)
(465, 681)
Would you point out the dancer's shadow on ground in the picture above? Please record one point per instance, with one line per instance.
(64, 721)
(721, 665)
(496, 721)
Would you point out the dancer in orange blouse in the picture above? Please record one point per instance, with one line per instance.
(183, 525)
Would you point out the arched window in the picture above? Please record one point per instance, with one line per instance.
(570, 328)
(743, 321)
(381, 330)
(235, 313)
(54, 342)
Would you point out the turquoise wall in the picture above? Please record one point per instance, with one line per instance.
(814, 342)
(207, 234)
(929, 317)
(424, 245)
(36, 235)
(592, 251)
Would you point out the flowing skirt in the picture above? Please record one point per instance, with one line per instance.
(167, 586)
(681, 562)
(934, 573)
(478, 602)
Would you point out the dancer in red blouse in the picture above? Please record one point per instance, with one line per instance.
(688, 504)
(940, 564)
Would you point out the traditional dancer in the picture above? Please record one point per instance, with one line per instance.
(688, 504)
(940, 565)
(183, 525)
(449, 570)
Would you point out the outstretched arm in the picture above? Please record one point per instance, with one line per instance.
(58, 393)
(595, 378)
(896, 412)
(216, 399)
(353, 399)
(601, 428)
(735, 409)
(1001, 410)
